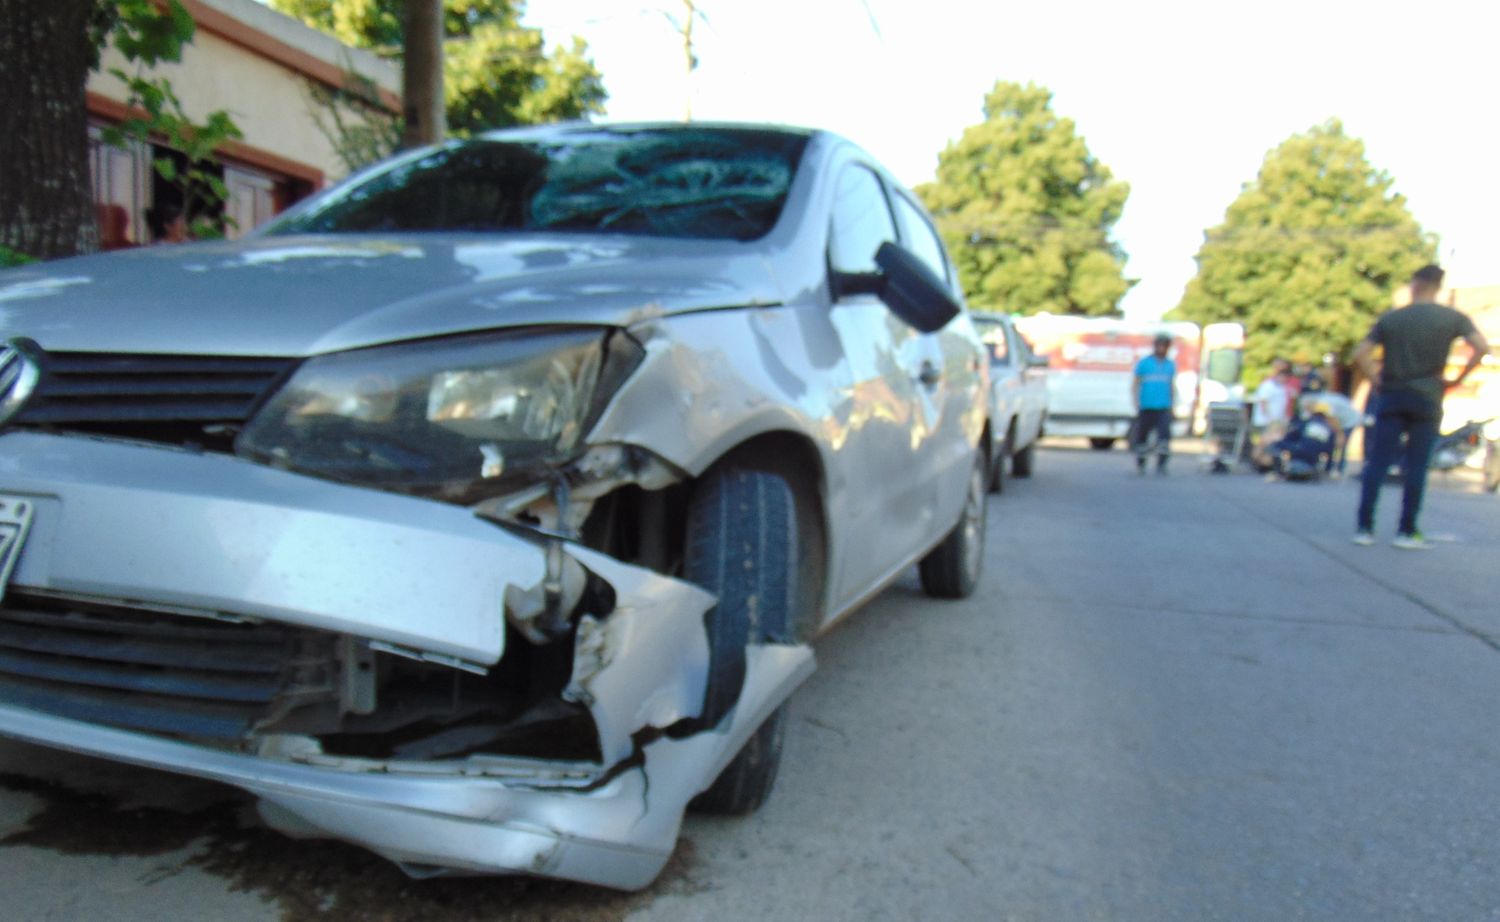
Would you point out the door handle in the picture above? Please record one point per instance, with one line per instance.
(929, 375)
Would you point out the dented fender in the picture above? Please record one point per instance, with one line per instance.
(645, 665)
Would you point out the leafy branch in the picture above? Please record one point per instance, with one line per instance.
(147, 33)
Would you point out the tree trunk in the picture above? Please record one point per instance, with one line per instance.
(422, 74)
(46, 205)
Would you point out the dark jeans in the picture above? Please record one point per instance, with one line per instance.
(1398, 413)
(1148, 422)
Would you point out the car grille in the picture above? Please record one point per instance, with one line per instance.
(182, 399)
(170, 674)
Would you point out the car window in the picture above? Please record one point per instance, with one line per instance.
(702, 183)
(919, 237)
(861, 221)
(992, 334)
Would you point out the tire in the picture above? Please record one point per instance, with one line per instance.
(1021, 462)
(742, 546)
(997, 470)
(1101, 444)
(951, 570)
(1492, 469)
(745, 783)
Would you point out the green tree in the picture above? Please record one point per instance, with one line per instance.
(496, 73)
(1309, 254)
(1027, 211)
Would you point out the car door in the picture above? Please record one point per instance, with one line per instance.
(883, 415)
(956, 396)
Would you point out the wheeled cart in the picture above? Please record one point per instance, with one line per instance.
(1225, 435)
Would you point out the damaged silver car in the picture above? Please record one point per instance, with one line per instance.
(481, 510)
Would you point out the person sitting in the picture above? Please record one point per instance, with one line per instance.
(1308, 447)
(1269, 412)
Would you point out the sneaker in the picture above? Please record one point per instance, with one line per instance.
(1412, 542)
(1363, 538)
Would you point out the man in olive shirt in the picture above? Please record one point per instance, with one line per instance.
(1416, 339)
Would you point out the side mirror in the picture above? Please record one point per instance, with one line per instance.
(906, 286)
(912, 292)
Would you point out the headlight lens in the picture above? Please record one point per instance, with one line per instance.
(455, 419)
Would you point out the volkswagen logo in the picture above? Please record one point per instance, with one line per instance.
(20, 370)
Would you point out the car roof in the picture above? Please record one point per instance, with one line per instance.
(561, 130)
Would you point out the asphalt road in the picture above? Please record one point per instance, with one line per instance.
(1186, 697)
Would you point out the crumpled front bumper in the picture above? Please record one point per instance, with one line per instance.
(479, 816)
(213, 536)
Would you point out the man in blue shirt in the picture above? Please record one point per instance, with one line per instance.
(1155, 376)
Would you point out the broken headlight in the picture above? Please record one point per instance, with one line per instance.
(455, 419)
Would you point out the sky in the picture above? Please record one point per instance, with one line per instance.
(1180, 99)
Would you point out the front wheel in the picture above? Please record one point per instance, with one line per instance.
(951, 570)
(1101, 444)
(742, 546)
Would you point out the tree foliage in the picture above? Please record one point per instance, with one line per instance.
(496, 73)
(1027, 211)
(1309, 254)
(147, 33)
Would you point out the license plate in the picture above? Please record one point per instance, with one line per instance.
(15, 521)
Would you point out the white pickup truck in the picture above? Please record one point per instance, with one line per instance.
(1091, 376)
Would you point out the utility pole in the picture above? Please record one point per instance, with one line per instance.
(422, 75)
(684, 28)
(687, 51)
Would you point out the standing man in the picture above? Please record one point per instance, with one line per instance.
(1416, 339)
(1155, 376)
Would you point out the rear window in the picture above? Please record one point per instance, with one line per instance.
(992, 334)
(710, 183)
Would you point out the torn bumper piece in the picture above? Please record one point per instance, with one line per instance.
(209, 537)
(479, 816)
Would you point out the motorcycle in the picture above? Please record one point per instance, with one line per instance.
(1454, 448)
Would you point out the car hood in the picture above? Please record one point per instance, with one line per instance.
(305, 295)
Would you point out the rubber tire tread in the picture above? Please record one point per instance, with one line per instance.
(746, 782)
(742, 546)
(1021, 462)
(942, 570)
(997, 470)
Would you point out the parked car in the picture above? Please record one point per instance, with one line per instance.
(1018, 396)
(481, 510)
